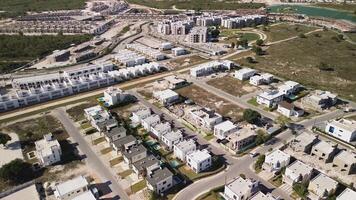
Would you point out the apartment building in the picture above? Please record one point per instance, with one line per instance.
(198, 34)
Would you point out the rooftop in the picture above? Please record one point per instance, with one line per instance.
(146, 162)
(115, 131)
(276, 156)
(260, 196)
(88, 195)
(45, 146)
(225, 126)
(322, 182)
(346, 124)
(347, 194)
(166, 94)
(173, 135)
(346, 156)
(71, 185)
(152, 119)
(159, 175)
(241, 134)
(305, 138)
(270, 94)
(125, 140)
(245, 70)
(286, 105)
(199, 155)
(298, 167)
(134, 150)
(186, 144)
(241, 186)
(324, 147)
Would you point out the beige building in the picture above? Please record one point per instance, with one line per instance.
(303, 143)
(297, 172)
(241, 139)
(345, 161)
(322, 185)
(324, 151)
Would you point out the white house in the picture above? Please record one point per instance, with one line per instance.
(260, 196)
(171, 138)
(295, 171)
(267, 78)
(183, 148)
(244, 73)
(322, 185)
(270, 98)
(113, 96)
(205, 118)
(199, 160)
(134, 153)
(71, 189)
(240, 189)
(256, 80)
(178, 51)
(150, 121)
(166, 97)
(161, 129)
(344, 129)
(140, 114)
(222, 130)
(276, 160)
(289, 110)
(96, 115)
(48, 150)
(289, 87)
(166, 46)
(160, 180)
(346, 195)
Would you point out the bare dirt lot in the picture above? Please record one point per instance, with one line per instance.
(232, 85)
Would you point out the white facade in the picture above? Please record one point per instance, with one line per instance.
(150, 52)
(270, 98)
(289, 87)
(150, 122)
(48, 150)
(321, 184)
(199, 160)
(205, 118)
(210, 67)
(256, 80)
(222, 130)
(113, 96)
(96, 115)
(166, 97)
(198, 34)
(178, 51)
(276, 160)
(161, 129)
(140, 114)
(166, 46)
(71, 189)
(171, 138)
(296, 170)
(347, 194)
(183, 148)
(245, 73)
(344, 129)
(240, 189)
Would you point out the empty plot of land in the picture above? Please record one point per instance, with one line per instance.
(187, 61)
(206, 99)
(320, 60)
(12, 150)
(283, 31)
(232, 85)
(232, 35)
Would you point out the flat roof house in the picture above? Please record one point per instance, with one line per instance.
(124, 143)
(145, 166)
(322, 185)
(223, 129)
(345, 161)
(161, 129)
(276, 160)
(171, 138)
(289, 87)
(260, 196)
(115, 134)
(166, 97)
(199, 160)
(289, 110)
(71, 188)
(270, 98)
(160, 180)
(347, 194)
(296, 172)
(244, 73)
(205, 117)
(241, 139)
(96, 115)
(343, 129)
(175, 82)
(319, 100)
(240, 189)
(140, 114)
(324, 151)
(114, 96)
(304, 142)
(256, 80)
(48, 150)
(134, 153)
(150, 122)
(183, 148)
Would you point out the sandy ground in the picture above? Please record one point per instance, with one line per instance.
(12, 151)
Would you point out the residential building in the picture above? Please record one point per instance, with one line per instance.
(48, 150)
(324, 151)
(241, 139)
(289, 110)
(140, 114)
(166, 97)
(145, 166)
(115, 133)
(85, 196)
(178, 51)
(160, 180)
(256, 80)
(124, 143)
(150, 121)
(276, 160)
(96, 115)
(267, 78)
(319, 100)
(175, 82)
(345, 162)
(322, 186)
(296, 172)
(107, 125)
(161, 129)
(260, 196)
(343, 129)
(304, 142)
(347, 194)
(198, 34)
(71, 188)
(172, 138)
(134, 153)
(114, 96)
(205, 118)
(270, 98)
(245, 73)
(208, 68)
(243, 21)
(183, 148)
(166, 46)
(30, 192)
(199, 160)
(223, 129)
(148, 51)
(240, 189)
(289, 87)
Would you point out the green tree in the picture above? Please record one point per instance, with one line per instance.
(4, 138)
(258, 50)
(233, 45)
(259, 42)
(259, 162)
(250, 60)
(301, 189)
(215, 32)
(243, 176)
(244, 42)
(16, 171)
(251, 116)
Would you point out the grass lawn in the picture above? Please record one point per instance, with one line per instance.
(106, 150)
(253, 101)
(15, 49)
(209, 136)
(85, 125)
(234, 34)
(206, 99)
(19, 7)
(283, 31)
(138, 186)
(116, 161)
(276, 181)
(300, 60)
(352, 36)
(232, 85)
(125, 173)
(198, 4)
(98, 140)
(183, 62)
(77, 112)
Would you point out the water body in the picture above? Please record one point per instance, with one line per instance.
(314, 11)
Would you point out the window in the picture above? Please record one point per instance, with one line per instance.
(331, 129)
(164, 182)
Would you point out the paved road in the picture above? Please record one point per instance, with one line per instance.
(92, 159)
